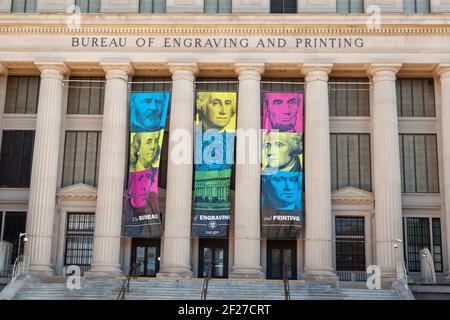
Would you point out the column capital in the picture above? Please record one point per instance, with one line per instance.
(117, 69)
(191, 67)
(246, 66)
(52, 68)
(3, 69)
(442, 70)
(316, 71)
(308, 68)
(376, 69)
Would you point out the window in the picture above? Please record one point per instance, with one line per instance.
(81, 157)
(79, 240)
(150, 84)
(217, 6)
(418, 163)
(283, 6)
(152, 6)
(415, 98)
(88, 6)
(16, 158)
(282, 85)
(416, 6)
(349, 97)
(350, 6)
(423, 233)
(15, 223)
(350, 248)
(86, 95)
(350, 161)
(23, 5)
(22, 94)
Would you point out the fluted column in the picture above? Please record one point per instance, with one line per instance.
(386, 170)
(44, 173)
(318, 230)
(177, 234)
(3, 82)
(247, 233)
(443, 71)
(108, 215)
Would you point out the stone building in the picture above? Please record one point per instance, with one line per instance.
(376, 79)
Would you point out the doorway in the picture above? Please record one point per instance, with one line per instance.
(279, 253)
(214, 253)
(146, 252)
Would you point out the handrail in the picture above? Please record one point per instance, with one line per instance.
(21, 266)
(206, 282)
(287, 292)
(126, 283)
(402, 274)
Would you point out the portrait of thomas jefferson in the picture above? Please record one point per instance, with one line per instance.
(145, 149)
(148, 111)
(282, 191)
(282, 151)
(216, 110)
(283, 112)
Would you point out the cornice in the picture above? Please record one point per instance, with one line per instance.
(259, 27)
(352, 201)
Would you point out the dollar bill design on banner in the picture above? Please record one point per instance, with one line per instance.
(148, 112)
(214, 152)
(282, 165)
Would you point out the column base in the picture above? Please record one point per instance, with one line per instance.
(41, 270)
(174, 272)
(447, 278)
(103, 271)
(326, 276)
(246, 273)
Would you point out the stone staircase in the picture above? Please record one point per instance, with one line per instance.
(181, 289)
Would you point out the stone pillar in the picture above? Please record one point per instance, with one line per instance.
(177, 234)
(247, 233)
(443, 71)
(318, 224)
(44, 173)
(3, 84)
(386, 170)
(111, 180)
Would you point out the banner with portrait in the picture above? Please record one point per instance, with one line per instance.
(214, 151)
(282, 165)
(148, 112)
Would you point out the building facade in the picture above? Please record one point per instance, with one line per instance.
(376, 81)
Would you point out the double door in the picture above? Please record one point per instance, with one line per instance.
(213, 254)
(146, 252)
(281, 253)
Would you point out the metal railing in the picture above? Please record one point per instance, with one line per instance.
(20, 267)
(402, 275)
(126, 283)
(287, 292)
(206, 282)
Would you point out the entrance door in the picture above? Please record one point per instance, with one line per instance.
(213, 252)
(279, 253)
(146, 253)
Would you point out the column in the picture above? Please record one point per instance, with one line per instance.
(3, 83)
(111, 180)
(247, 260)
(44, 173)
(177, 233)
(386, 170)
(318, 230)
(443, 71)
